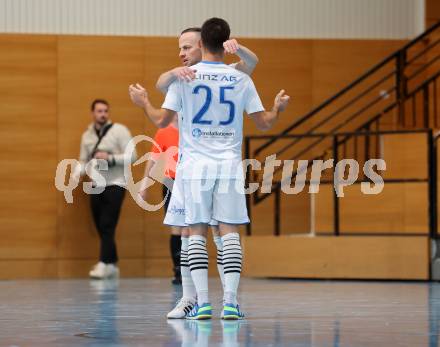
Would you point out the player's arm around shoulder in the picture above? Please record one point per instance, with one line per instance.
(264, 120)
(179, 73)
(248, 59)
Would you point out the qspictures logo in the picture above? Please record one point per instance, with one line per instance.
(345, 173)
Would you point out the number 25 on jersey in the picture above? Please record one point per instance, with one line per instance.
(198, 118)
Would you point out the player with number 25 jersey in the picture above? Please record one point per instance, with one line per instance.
(212, 106)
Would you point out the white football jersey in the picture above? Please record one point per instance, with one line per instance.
(211, 119)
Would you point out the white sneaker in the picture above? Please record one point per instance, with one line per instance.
(98, 271)
(183, 307)
(102, 271)
(111, 271)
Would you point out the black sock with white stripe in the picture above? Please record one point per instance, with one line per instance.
(198, 265)
(232, 260)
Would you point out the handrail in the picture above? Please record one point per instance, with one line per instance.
(398, 55)
(360, 131)
(322, 136)
(363, 133)
(430, 180)
(332, 115)
(377, 99)
(355, 115)
(401, 98)
(421, 36)
(424, 84)
(423, 67)
(426, 49)
(329, 101)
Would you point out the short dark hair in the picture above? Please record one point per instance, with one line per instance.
(215, 31)
(191, 30)
(98, 101)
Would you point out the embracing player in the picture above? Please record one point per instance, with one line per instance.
(190, 54)
(212, 109)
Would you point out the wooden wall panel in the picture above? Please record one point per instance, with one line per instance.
(295, 213)
(28, 136)
(323, 207)
(354, 257)
(406, 156)
(399, 208)
(77, 238)
(65, 74)
(336, 63)
(75, 268)
(262, 217)
(282, 66)
(28, 268)
(432, 12)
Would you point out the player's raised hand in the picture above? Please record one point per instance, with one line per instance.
(138, 94)
(231, 46)
(184, 73)
(281, 101)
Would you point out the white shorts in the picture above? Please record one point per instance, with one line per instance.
(175, 215)
(220, 199)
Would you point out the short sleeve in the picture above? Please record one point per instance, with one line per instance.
(173, 99)
(252, 100)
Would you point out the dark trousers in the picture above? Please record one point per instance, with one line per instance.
(166, 193)
(105, 209)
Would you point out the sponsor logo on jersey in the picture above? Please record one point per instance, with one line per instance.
(215, 77)
(196, 133)
(213, 133)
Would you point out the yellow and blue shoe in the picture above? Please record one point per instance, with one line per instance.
(232, 312)
(200, 312)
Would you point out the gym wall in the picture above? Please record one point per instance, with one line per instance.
(46, 85)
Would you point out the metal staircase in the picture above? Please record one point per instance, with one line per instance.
(400, 94)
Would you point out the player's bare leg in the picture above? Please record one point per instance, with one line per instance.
(219, 245)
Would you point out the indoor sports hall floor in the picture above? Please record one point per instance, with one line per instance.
(131, 312)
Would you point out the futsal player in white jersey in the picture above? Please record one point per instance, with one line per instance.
(212, 107)
(190, 54)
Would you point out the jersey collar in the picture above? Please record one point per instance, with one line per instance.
(212, 62)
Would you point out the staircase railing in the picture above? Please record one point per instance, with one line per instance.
(390, 96)
(401, 60)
